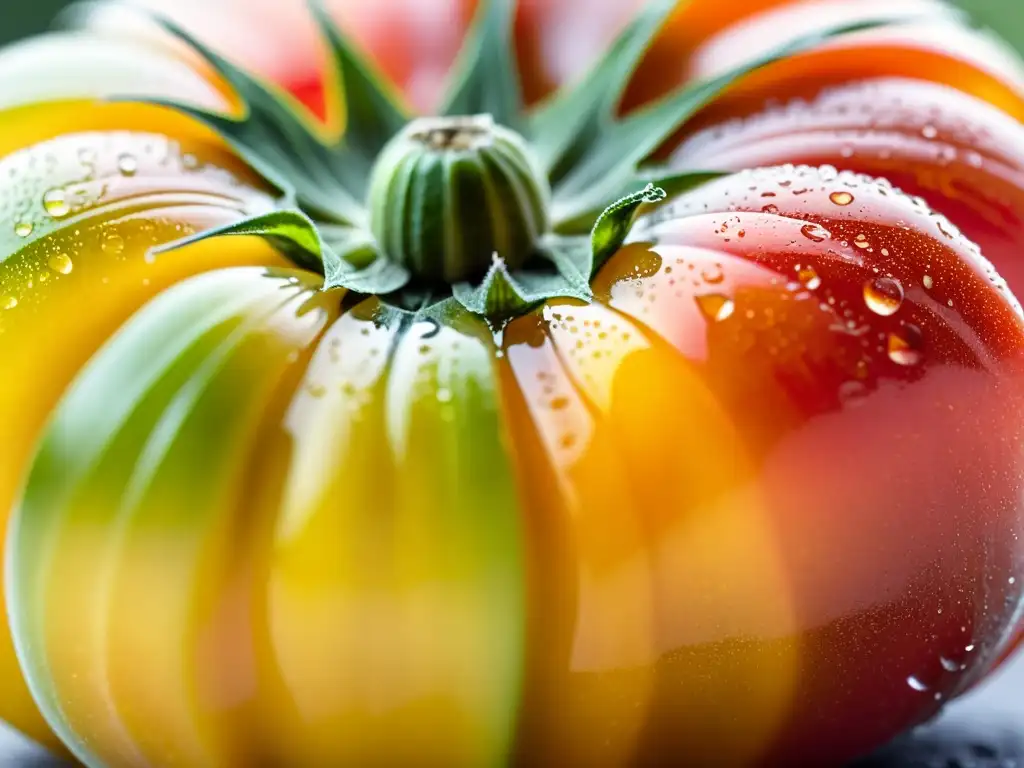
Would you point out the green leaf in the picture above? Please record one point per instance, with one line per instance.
(485, 79)
(564, 127)
(502, 295)
(574, 222)
(347, 257)
(358, 264)
(372, 112)
(613, 225)
(277, 141)
(626, 144)
(573, 258)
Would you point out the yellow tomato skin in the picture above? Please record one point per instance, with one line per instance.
(90, 205)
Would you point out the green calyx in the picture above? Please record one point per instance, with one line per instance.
(490, 204)
(450, 192)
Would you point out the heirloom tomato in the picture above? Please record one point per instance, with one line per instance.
(622, 383)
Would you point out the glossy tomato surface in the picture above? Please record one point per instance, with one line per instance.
(758, 503)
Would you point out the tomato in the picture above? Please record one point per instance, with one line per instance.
(758, 502)
(415, 44)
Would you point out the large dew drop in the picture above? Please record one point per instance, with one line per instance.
(716, 307)
(916, 684)
(883, 295)
(61, 263)
(905, 346)
(55, 202)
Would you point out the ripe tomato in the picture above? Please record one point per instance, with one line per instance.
(759, 502)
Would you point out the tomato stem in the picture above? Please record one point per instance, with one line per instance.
(449, 193)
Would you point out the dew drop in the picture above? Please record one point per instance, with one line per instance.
(716, 307)
(949, 665)
(770, 209)
(809, 278)
(841, 198)
(916, 684)
(316, 390)
(883, 295)
(127, 164)
(929, 132)
(713, 275)
(444, 395)
(928, 282)
(559, 403)
(8, 302)
(113, 244)
(23, 228)
(61, 263)
(905, 346)
(55, 202)
(815, 233)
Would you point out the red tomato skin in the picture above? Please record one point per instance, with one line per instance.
(892, 500)
(965, 158)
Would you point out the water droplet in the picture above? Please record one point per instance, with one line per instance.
(8, 302)
(949, 665)
(928, 282)
(23, 228)
(974, 159)
(127, 164)
(55, 202)
(61, 263)
(970, 648)
(809, 278)
(916, 684)
(559, 403)
(113, 244)
(861, 241)
(929, 132)
(815, 232)
(444, 395)
(841, 198)
(883, 295)
(316, 390)
(716, 307)
(713, 275)
(1012, 581)
(770, 209)
(905, 346)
